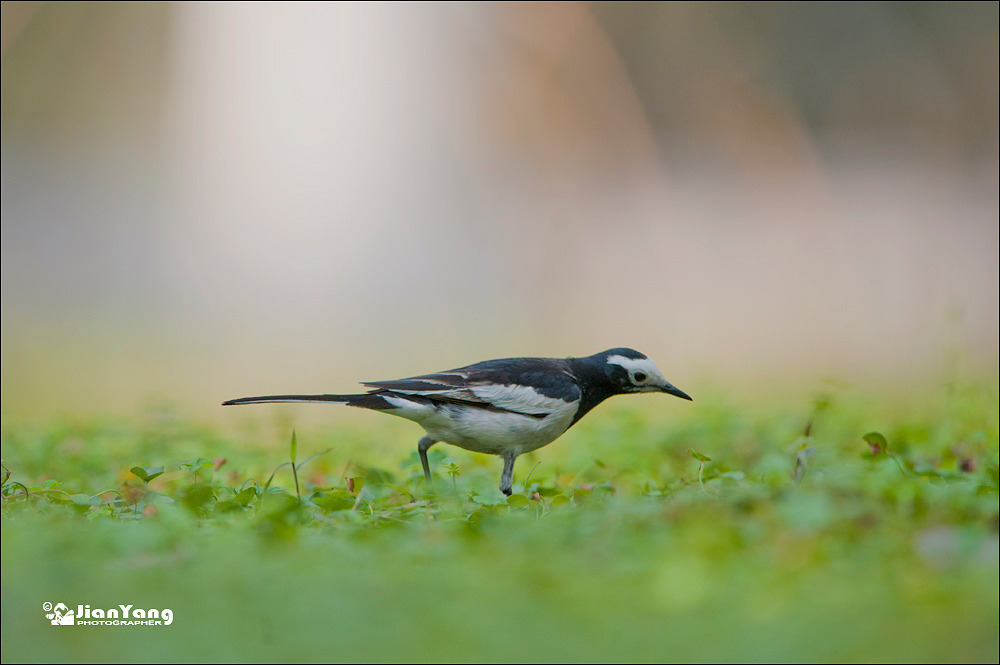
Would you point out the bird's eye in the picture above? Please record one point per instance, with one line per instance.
(639, 377)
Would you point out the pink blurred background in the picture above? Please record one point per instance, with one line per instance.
(203, 201)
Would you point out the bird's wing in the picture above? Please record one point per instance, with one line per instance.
(531, 386)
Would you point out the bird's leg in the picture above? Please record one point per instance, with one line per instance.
(507, 477)
(422, 446)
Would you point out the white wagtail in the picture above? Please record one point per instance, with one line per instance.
(502, 407)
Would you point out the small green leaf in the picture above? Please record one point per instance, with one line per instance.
(336, 499)
(517, 501)
(228, 506)
(876, 442)
(294, 446)
(245, 496)
(494, 498)
(147, 473)
(560, 500)
(698, 456)
(196, 464)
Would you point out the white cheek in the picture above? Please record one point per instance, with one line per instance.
(654, 377)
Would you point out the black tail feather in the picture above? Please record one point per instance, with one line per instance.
(341, 399)
(372, 400)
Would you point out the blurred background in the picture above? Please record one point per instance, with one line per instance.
(205, 201)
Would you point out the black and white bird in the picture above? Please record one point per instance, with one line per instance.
(502, 407)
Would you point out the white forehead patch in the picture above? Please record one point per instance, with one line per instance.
(654, 377)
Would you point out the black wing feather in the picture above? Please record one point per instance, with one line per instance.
(548, 376)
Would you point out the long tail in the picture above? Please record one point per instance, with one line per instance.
(364, 400)
(342, 399)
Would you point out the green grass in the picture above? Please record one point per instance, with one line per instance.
(796, 539)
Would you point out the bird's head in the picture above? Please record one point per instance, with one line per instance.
(632, 372)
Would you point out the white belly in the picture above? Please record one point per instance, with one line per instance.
(488, 431)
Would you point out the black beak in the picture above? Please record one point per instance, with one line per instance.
(676, 392)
